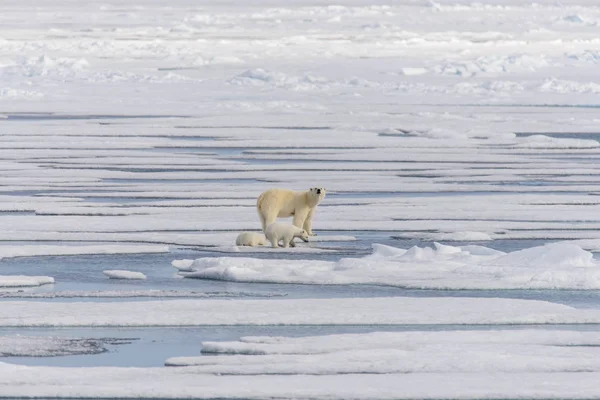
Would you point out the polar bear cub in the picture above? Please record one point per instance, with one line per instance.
(251, 239)
(285, 203)
(286, 233)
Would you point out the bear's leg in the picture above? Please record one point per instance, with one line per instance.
(267, 219)
(299, 218)
(292, 244)
(262, 221)
(274, 241)
(308, 223)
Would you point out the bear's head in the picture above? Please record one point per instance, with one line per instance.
(303, 235)
(318, 194)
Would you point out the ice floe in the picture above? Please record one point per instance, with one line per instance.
(340, 311)
(552, 266)
(506, 351)
(165, 383)
(8, 281)
(124, 274)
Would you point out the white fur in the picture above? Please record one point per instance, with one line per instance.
(285, 203)
(286, 233)
(251, 239)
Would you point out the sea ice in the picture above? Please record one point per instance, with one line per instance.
(123, 274)
(7, 281)
(190, 382)
(506, 351)
(553, 266)
(337, 311)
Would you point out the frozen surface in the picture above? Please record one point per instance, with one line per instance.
(135, 134)
(49, 250)
(24, 281)
(553, 266)
(402, 352)
(18, 381)
(440, 121)
(123, 274)
(341, 311)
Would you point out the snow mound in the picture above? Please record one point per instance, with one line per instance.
(553, 266)
(11, 93)
(45, 66)
(123, 274)
(413, 71)
(552, 256)
(260, 77)
(183, 265)
(130, 77)
(586, 56)
(553, 85)
(492, 65)
(217, 60)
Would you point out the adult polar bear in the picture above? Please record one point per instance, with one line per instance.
(285, 203)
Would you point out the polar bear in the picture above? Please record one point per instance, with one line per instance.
(286, 203)
(285, 232)
(251, 239)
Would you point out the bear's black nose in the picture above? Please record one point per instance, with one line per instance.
(318, 191)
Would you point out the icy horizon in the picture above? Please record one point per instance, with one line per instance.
(459, 145)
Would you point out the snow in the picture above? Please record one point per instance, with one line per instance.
(122, 274)
(260, 312)
(552, 266)
(132, 130)
(402, 352)
(19, 381)
(24, 281)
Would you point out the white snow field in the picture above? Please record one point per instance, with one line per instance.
(260, 312)
(402, 352)
(459, 145)
(553, 266)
